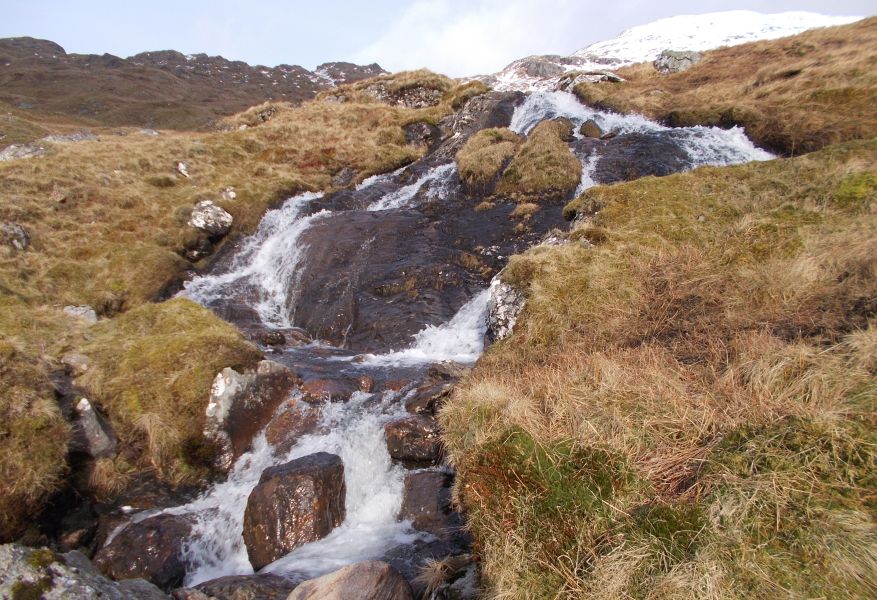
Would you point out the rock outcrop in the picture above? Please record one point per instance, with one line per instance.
(503, 309)
(675, 61)
(14, 235)
(151, 549)
(368, 580)
(295, 503)
(19, 151)
(84, 312)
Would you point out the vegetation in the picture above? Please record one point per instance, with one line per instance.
(543, 169)
(108, 226)
(484, 156)
(686, 408)
(793, 95)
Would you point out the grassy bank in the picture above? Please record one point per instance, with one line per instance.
(793, 95)
(687, 406)
(108, 226)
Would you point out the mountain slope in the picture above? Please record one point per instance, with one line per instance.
(163, 89)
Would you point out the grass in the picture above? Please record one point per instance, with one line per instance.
(544, 168)
(108, 224)
(793, 95)
(686, 408)
(484, 156)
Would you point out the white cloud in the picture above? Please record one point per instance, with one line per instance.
(468, 38)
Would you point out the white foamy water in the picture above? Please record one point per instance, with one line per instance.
(266, 266)
(460, 340)
(589, 166)
(355, 432)
(436, 179)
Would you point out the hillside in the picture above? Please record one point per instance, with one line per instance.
(162, 90)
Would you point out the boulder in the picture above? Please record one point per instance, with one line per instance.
(241, 404)
(229, 194)
(675, 61)
(14, 235)
(151, 549)
(294, 503)
(318, 391)
(297, 419)
(503, 309)
(211, 219)
(92, 434)
(427, 504)
(418, 96)
(590, 129)
(20, 151)
(426, 399)
(265, 586)
(368, 580)
(84, 312)
(40, 573)
(414, 439)
(271, 338)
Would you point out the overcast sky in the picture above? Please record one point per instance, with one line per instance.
(456, 37)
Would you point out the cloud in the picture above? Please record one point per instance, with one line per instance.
(469, 38)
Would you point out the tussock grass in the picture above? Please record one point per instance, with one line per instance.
(544, 168)
(793, 95)
(686, 408)
(481, 160)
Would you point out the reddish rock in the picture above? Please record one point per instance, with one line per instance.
(396, 384)
(318, 391)
(366, 384)
(298, 419)
(416, 438)
(428, 398)
(151, 549)
(295, 503)
(427, 504)
(368, 580)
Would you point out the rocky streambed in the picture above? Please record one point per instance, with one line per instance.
(371, 303)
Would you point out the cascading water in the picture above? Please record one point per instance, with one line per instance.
(436, 180)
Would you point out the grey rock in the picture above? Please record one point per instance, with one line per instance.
(79, 136)
(21, 151)
(344, 177)
(183, 169)
(210, 218)
(265, 586)
(676, 61)
(14, 236)
(368, 580)
(503, 309)
(147, 131)
(76, 364)
(39, 573)
(92, 434)
(228, 194)
(84, 312)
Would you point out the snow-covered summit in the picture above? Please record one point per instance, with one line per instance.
(645, 42)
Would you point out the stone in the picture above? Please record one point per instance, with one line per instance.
(590, 129)
(367, 580)
(210, 218)
(272, 338)
(40, 573)
(416, 438)
(21, 151)
(294, 503)
(75, 364)
(447, 369)
(147, 131)
(297, 419)
(503, 309)
(366, 384)
(241, 404)
(77, 136)
(344, 177)
(84, 312)
(151, 549)
(427, 504)
(318, 391)
(15, 236)
(675, 61)
(264, 586)
(183, 169)
(228, 194)
(426, 399)
(92, 433)
(418, 96)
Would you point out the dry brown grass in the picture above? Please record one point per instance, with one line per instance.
(687, 408)
(544, 168)
(485, 155)
(792, 95)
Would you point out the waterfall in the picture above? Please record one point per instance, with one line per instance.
(435, 179)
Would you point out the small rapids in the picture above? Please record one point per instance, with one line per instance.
(436, 182)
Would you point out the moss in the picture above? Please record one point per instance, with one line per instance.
(856, 191)
(42, 558)
(24, 590)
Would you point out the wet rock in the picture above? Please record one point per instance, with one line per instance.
(503, 309)
(414, 439)
(297, 419)
(427, 504)
(368, 580)
(344, 177)
(590, 129)
(631, 156)
(20, 151)
(421, 133)
(151, 549)
(272, 338)
(84, 312)
(92, 433)
(318, 391)
(366, 384)
(295, 503)
(447, 370)
(426, 399)
(297, 337)
(265, 586)
(673, 61)
(14, 235)
(197, 248)
(40, 573)
(211, 219)
(241, 404)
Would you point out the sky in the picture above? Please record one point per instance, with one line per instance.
(455, 37)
